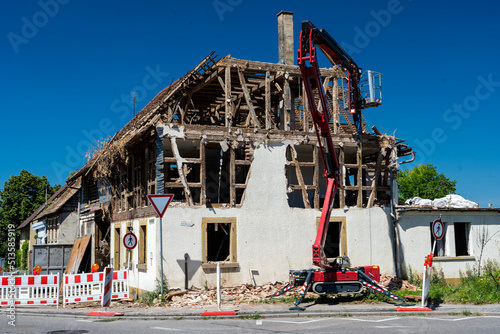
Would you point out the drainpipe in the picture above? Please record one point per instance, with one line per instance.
(396, 248)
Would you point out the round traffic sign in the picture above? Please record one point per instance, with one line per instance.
(130, 240)
(438, 229)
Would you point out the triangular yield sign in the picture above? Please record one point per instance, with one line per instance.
(160, 203)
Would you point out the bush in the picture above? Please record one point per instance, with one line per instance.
(155, 296)
(24, 255)
(481, 288)
(413, 277)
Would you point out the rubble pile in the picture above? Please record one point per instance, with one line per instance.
(394, 283)
(245, 293)
(242, 294)
(249, 294)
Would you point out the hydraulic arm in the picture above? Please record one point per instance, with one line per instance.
(336, 277)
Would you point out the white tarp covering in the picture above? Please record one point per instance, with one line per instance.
(449, 201)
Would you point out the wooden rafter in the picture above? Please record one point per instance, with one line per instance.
(248, 98)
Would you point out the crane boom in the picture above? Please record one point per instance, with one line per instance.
(335, 277)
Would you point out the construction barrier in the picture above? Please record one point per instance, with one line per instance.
(89, 287)
(29, 290)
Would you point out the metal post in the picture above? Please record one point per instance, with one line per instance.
(186, 256)
(218, 286)
(371, 87)
(128, 261)
(161, 258)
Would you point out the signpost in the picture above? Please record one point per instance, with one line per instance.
(438, 233)
(129, 241)
(437, 230)
(160, 204)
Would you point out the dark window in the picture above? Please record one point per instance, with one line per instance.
(461, 239)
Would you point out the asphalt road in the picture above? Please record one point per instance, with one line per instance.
(442, 324)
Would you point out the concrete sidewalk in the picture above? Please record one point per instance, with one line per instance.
(261, 309)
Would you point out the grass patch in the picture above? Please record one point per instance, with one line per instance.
(250, 317)
(155, 297)
(475, 287)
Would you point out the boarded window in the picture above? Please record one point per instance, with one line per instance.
(117, 245)
(219, 239)
(462, 239)
(143, 245)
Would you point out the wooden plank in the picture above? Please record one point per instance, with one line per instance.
(342, 178)
(287, 106)
(359, 160)
(232, 178)
(335, 103)
(268, 101)
(300, 178)
(227, 97)
(248, 98)
(293, 70)
(186, 160)
(373, 192)
(302, 163)
(305, 108)
(77, 253)
(203, 192)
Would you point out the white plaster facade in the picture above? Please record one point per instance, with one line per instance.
(271, 236)
(415, 238)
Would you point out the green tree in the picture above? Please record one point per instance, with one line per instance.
(424, 181)
(21, 196)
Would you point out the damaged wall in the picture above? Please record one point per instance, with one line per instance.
(271, 236)
(461, 246)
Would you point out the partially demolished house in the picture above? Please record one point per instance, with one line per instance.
(51, 230)
(234, 142)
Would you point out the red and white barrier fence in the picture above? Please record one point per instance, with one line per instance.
(29, 290)
(89, 287)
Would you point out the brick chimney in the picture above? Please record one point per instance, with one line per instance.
(285, 38)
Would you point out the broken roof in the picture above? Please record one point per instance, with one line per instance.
(54, 203)
(203, 93)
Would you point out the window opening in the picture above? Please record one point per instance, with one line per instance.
(143, 244)
(219, 240)
(116, 258)
(217, 174)
(461, 239)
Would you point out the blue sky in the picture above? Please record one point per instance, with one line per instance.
(69, 66)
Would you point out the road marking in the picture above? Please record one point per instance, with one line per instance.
(258, 322)
(296, 322)
(171, 329)
(85, 320)
(367, 320)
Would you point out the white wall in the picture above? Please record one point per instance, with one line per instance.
(272, 237)
(415, 238)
